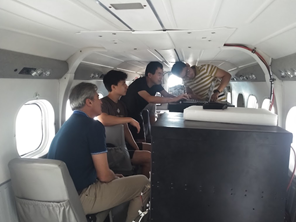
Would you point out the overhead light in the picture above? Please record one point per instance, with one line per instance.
(289, 74)
(96, 75)
(282, 73)
(40, 72)
(293, 72)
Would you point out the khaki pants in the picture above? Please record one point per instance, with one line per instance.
(103, 196)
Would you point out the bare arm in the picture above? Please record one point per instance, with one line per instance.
(225, 80)
(166, 94)
(129, 137)
(192, 95)
(104, 173)
(155, 99)
(225, 76)
(108, 120)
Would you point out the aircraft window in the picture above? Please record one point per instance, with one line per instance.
(265, 105)
(174, 80)
(69, 111)
(252, 102)
(229, 97)
(240, 100)
(291, 126)
(34, 128)
(100, 95)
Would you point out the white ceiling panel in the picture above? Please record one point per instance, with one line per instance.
(136, 66)
(35, 45)
(209, 54)
(22, 11)
(208, 39)
(277, 16)
(286, 41)
(190, 14)
(102, 59)
(145, 55)
(234, 13)
(161, 40)
(169, 55)
(137, 19)
(165, 12)
(67, 12)
(190, 56)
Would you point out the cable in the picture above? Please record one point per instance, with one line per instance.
(254, 51)
(293, 174)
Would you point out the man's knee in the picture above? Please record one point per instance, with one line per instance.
(140, 180)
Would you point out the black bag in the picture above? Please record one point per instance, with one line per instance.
(118, 158)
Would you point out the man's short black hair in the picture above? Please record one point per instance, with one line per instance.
(152, 67)
(113, 77)
(177, 68)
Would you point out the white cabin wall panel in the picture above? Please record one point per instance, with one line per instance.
(13, 94)
(258, 89)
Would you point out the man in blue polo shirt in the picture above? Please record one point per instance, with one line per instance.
(80, 143)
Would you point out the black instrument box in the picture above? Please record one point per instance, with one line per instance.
(217, 172)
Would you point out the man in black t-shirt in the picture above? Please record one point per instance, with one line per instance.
(142, 91)
(114, 112)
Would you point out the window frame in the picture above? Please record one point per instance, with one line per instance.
(47, 127)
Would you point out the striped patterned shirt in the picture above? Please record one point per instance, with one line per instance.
(205, 82)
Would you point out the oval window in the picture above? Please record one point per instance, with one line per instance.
(252, 102)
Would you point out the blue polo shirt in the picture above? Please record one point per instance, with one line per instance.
(78, 139)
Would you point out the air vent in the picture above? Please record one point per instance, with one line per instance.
(27, 71)
(127, 6)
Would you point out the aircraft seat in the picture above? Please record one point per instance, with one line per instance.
(147, 125)
(118, 156)
(44, 191)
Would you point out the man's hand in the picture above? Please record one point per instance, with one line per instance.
(119, 175)
(183, 96)
(136, 124)
(214, 97)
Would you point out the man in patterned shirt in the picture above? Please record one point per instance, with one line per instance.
(205, 82)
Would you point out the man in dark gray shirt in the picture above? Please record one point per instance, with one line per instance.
(114, 112)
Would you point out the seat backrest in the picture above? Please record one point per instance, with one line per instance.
(115, 135)
(118, 156)
(147, 125)
(44, 191)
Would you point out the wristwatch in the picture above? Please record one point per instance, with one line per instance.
(216, 91)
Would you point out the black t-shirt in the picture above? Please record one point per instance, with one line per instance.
(133, 101)
(78, 139)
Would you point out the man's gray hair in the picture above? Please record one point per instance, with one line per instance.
(80, 93)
